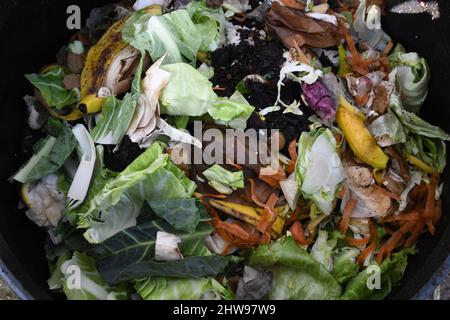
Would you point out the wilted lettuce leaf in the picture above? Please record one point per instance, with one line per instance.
(296, 275)
(233, 112)
(412, 76)
(130, 254)
(222, 179)
(392, 270)
(431, 151)
(159, 288)
(345, 265)
(114, 120)
(323, 248)
(181, 214)
(174, 34)
(50, 153)
(189, 93)
(52, 88)
(92, 286)
(116, 206)
(210, 23)
(387, 130)
(413, 123)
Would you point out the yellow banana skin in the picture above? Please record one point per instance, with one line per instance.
(91, 104)
(100, 58)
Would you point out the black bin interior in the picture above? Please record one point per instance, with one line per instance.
(31, 32)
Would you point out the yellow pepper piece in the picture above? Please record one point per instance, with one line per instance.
(420, 164)
(247, 214)
(359, 138)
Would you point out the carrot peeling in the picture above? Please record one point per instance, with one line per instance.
(349, 207)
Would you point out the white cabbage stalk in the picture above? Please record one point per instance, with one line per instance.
(45, 202)
(82, 179)
(166, 247)
(291, 190)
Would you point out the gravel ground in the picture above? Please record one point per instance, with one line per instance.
(442, 293)
(5, 293)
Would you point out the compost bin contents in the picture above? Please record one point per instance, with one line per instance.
(113, 123)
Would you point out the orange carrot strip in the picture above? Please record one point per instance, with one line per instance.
(389, 246)
(254, 194)
(430, 205)
(415, 233)
(293, 155)
(298, 233)
(357, 242)
(269, 216)
(387, 193)
(366, 252)
(345, 221)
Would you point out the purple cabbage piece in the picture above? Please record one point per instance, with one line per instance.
(320, 100)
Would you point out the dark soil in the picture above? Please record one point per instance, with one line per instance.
(127, 153)
(234, 62)
(265, 95)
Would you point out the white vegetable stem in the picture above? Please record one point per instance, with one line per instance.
(166, 247)
(82, 179)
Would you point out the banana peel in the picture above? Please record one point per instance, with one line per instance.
(359, 137)
(247, 214)
(99, 59)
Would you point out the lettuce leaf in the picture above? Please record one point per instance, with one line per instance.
(114, 120)
(319, 169)
(180, 34)
(296, 275)
(431, 151)
(412, 76)
(189, 93)
(224, 181)
(345, 265)
(210, 23)
(414, 123)
(392, 270)
(116, 206)
(92, 286)
(323, 248)
(159, 288)
(387, 130)
(233, 112)
(50, 153)
(181, 214)
(52, 88)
